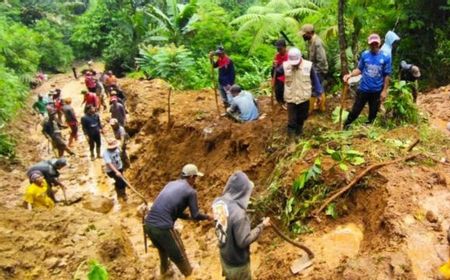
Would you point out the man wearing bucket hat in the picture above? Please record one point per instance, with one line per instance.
(114, 168)
(375, 68)
(170, 204)
(301, 82)
(226, 73)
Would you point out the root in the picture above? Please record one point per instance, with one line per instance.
(296, 244)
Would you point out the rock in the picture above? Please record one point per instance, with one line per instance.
(431, 217)
(98, 203)
(51, 263)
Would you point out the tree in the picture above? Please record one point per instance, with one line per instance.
(172, 25)
(342, 38)
(267, 21)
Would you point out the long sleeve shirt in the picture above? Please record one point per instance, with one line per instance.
(226, 71)
(91, 124)
(170, 204)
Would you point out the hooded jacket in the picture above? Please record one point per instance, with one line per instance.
(232, 223)
(389, 40)
(48, 168)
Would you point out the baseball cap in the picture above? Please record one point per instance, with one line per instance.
(113, 98)
(219, 50)
(306, 28)
(190, 170)
(280, 43)
(374, 38)
(294, 56)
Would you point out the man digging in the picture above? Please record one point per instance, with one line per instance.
(170, 204)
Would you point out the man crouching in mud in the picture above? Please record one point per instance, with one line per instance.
(233, 227)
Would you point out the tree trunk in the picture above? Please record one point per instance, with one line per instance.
(342, 40)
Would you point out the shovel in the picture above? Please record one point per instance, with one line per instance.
(299, 264)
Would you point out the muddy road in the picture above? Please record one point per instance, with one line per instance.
(394, 227)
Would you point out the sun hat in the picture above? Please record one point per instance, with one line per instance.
(112, 144)
(113, 121)
(190, 170)
(294, 56)
(374, 38)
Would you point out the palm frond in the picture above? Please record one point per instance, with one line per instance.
(298, 12)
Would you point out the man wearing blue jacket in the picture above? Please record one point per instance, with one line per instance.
(375, 68)
(170, 204)
(226, 73)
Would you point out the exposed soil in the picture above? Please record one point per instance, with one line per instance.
(393, 225)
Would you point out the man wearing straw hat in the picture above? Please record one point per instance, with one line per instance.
(114, 168)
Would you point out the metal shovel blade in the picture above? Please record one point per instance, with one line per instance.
(301, 264)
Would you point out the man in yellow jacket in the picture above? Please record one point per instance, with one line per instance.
(301, 82)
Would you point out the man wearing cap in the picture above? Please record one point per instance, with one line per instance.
(317, 55)
(278, 79)
(122, 136)
(226, 73)
(50, 171)
(233, 227)
(301, 81)
(411, 74)
(117, 110)
(92, 128)
(243, 107)
(114, 168)
(170, 204)
(375, 68)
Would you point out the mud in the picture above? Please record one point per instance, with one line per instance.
(382, 234)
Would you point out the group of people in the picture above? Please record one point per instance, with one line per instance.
(51, 108)
(299, 84)
(232, 225)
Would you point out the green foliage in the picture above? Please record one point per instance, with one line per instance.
(336, 115)
(54, 54)
(307, 177)
(399, 105)
(97, 271)
(332, 211)
(171, 63)
(346, 156)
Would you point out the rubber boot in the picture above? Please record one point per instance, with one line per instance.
(98, 152)
(323, 105)
(312, 104)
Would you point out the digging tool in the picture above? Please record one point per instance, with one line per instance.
(343, 97)
(64, 194)
(299, 264)
(145, 212)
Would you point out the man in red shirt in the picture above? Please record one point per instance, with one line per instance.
(89, 81)
(90, 98)
(278, 81)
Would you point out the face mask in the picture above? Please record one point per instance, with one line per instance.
(306, 37)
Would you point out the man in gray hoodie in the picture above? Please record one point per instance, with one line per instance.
(233, 227)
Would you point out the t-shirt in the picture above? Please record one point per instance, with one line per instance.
(245, 104)
(91, 99)
(69, 113)
(41, 106)
(113, 157)
(374, 68)
(118, 112)
(120, 132)
(37, 196)
(280, 58)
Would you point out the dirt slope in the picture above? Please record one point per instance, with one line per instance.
(392, 229)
